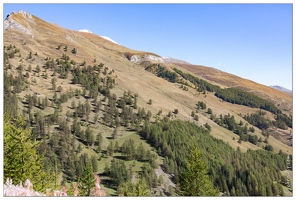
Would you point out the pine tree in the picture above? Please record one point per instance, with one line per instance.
(21, 160)
(114, 133)
(96, 118)
(140, 152)
(194, 181)
(86, 181)
(94, 163)
(110, 149)
(116, 147)
(139, 188)
(232, 191)
(89, 136)
(106, 169)
(99, 141)
(150, 102)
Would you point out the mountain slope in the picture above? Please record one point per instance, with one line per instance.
(36, 35)
(92, 46)
(51, 50)
(279, 98)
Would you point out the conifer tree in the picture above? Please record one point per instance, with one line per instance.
(21, 160)
(114, 133)
(110, 149)
(194, 181)
(116, 147)
(86, 181)
(89, 136)
(139, 188)
(94, 163)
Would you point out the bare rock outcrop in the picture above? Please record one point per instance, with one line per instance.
(10, 23)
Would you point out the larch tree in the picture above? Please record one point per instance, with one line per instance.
(21, 160)
(87, 181)
(140, 188)
(194, 180)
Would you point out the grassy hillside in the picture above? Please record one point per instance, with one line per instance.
(84, 99)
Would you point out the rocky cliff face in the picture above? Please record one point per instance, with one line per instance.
(10, 23)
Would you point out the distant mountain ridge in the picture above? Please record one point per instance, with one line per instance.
(280, 88)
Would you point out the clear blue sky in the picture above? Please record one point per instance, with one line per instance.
(253, 41)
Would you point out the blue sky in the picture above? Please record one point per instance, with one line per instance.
(253, 41)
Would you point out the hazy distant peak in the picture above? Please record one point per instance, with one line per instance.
(85, 30)
(281, 88)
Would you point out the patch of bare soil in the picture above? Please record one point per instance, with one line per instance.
(284, 136)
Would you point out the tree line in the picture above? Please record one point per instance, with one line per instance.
(162, 72)
(240, 97)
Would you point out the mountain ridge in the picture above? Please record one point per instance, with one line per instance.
(283, 89)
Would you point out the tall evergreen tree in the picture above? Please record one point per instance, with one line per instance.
(21, 160)
(86, 181)
(139, 188)
(94, 163)
(194, 181)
